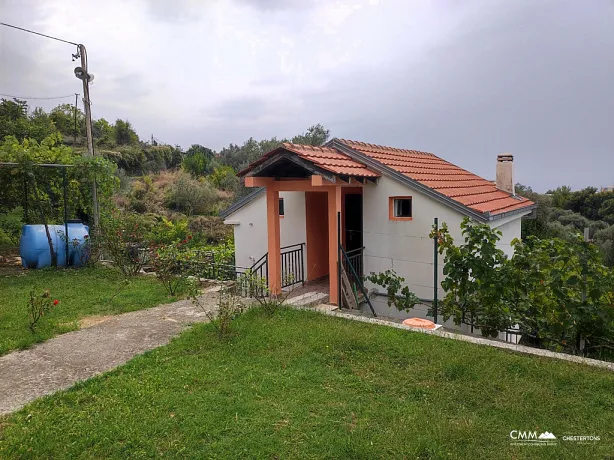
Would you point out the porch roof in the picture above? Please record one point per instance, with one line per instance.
(326, 158)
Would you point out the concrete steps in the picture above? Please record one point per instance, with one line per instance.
(308, 299)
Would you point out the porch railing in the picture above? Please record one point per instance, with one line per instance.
(292, 265)
(253, 280)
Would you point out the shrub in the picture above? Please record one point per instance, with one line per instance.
(225, 178)
(166, 231)
(230, 305)
(559, 292)
(211, 229)
(10, 227)
(605, 240)
(168, 266)
(124, 240)
(191, 196)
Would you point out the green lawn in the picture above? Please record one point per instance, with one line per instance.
(81, 292)
(304, 385)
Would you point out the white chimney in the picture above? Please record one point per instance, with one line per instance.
(505, 173)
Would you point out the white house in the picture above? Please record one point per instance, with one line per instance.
(386, 199)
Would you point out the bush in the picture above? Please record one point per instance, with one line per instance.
(211, 229)
(559, 292)
(191, 196)
(125, 239)
(10, 227)
(168, 266)
(605, 240)
(225, 178)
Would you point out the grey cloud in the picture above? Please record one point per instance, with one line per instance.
(176, 11)
(271, 5)
(522, 83)
(531, 78)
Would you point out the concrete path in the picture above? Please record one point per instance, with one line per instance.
(66, 359)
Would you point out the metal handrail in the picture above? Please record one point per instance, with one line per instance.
(357, 250)
(358, 280)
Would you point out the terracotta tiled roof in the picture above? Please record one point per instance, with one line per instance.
(324, 157)
(442, 176)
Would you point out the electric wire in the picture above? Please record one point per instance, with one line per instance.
(36, 98)
(38, 33)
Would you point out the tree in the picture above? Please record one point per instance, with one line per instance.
(197, 148)
(239, 157)
(41, 125)
(124, 133)
(63, 117)
(606, 211)
(559, 292)
(103, 133)
(315, 135)
(14, 119)
(560, 196)
(224, 178)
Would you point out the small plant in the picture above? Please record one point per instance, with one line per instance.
(251, 285)
(39, 306)
(230, 305)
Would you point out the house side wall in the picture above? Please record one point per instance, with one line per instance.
(403, 246)
(250, 227)
(510, 229)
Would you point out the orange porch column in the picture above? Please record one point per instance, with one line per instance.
(334, 206)
(274, 261)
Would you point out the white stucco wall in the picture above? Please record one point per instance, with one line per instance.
(405, 247)
(250, 227)
(511, 229)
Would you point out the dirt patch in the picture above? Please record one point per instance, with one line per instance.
(90, 321)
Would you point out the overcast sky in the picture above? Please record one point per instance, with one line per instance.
(465, 80)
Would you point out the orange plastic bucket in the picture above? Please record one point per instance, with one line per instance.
(419, 322)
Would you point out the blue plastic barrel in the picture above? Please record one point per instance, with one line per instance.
(34, 246)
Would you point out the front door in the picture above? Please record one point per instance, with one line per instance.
(353, 221)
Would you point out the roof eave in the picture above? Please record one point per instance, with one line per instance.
(241, 202)
(524, 210)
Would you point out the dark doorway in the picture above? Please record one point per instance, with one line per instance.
(353, 221)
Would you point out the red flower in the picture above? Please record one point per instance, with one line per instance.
(56, 301)
(184, 241)
(189, 237)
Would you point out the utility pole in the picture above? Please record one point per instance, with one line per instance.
(74, 144)
(85, 77)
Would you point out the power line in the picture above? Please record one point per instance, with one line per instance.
(38, 33)
(36, 98)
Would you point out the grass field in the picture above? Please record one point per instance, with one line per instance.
(304, 385)
(81, 292)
